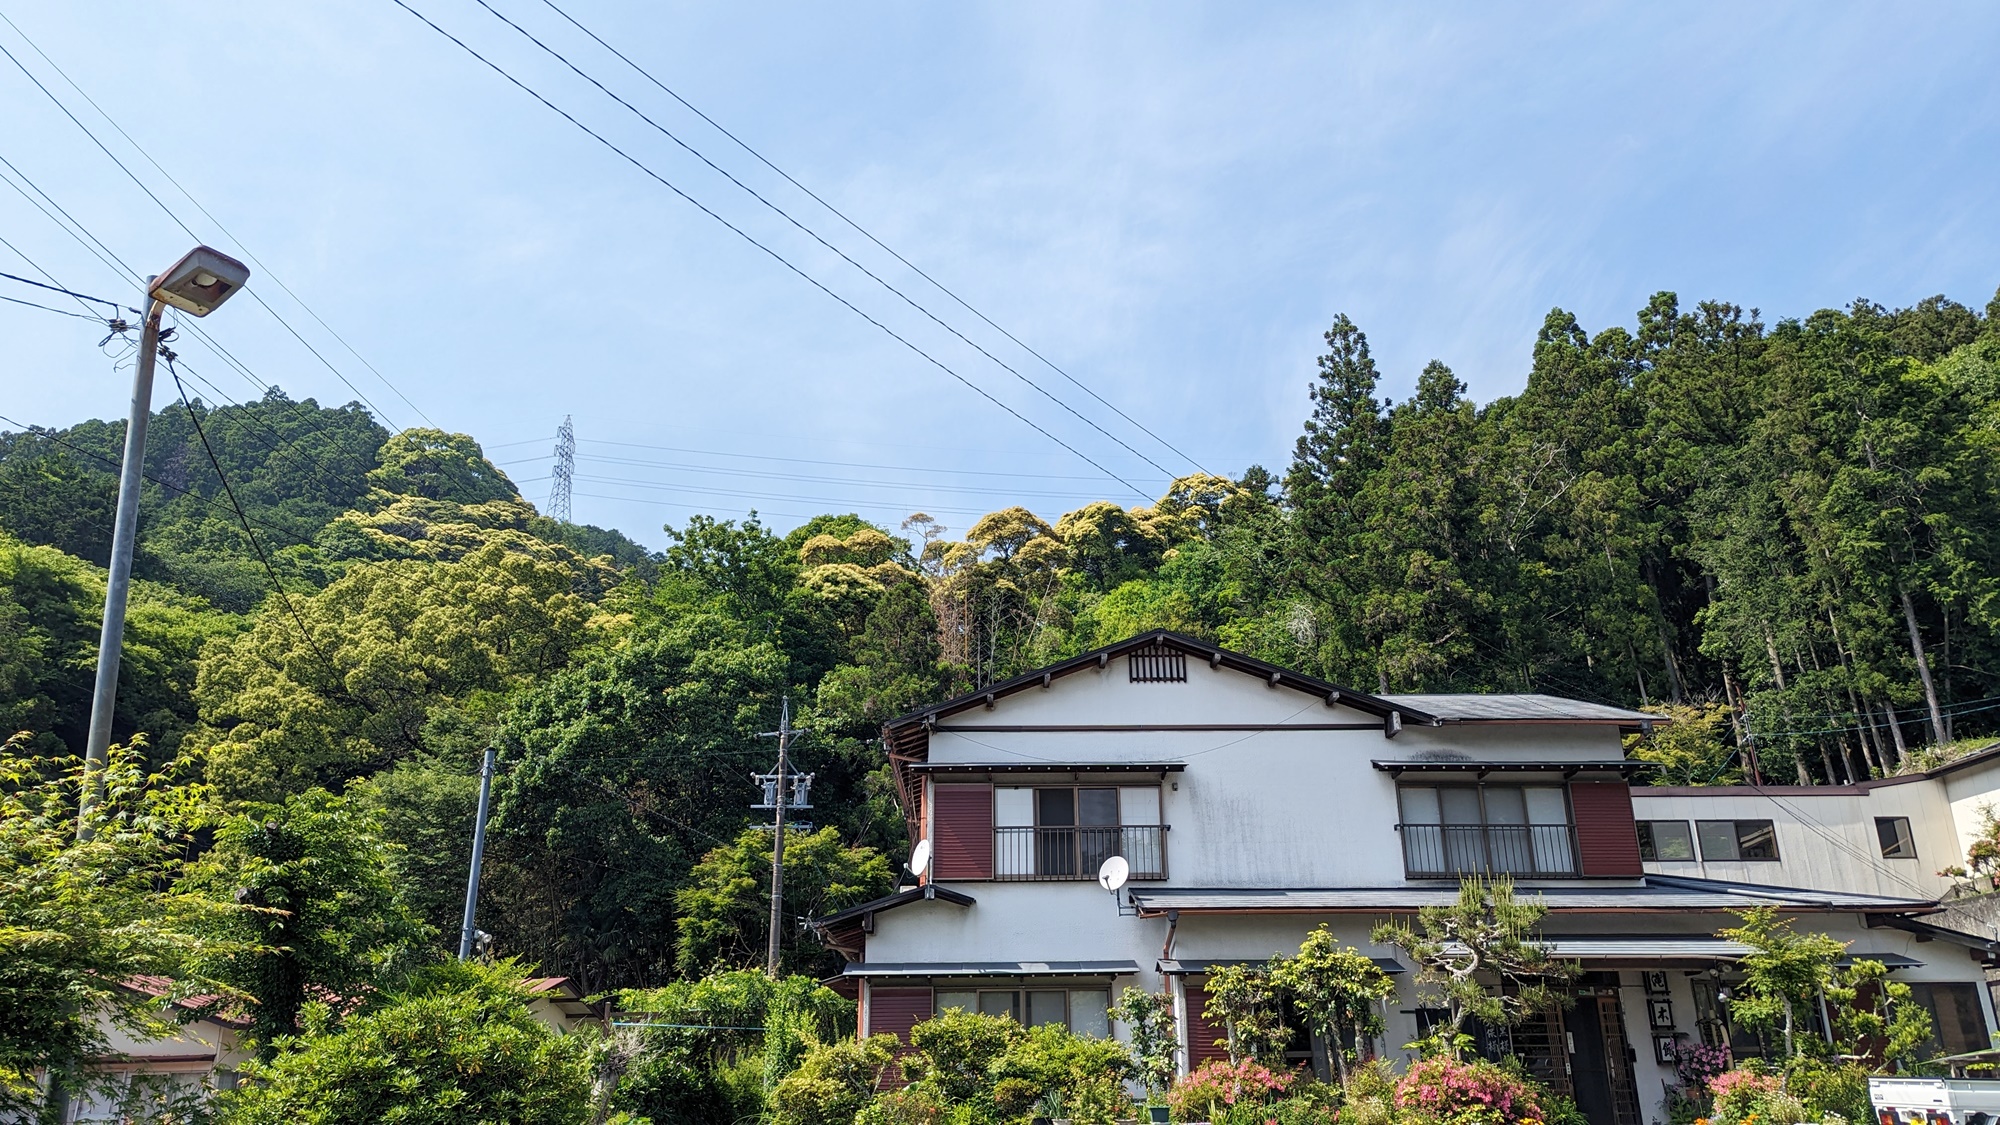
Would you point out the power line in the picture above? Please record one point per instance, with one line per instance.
(49, 308)
(275, 279)
(747, 237)
(940, 286)
(812, 478)
(925, 469)
(66, 292)
(814, 235)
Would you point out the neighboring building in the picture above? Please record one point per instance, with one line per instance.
(1896, 836)
(1253, 803)
(202, 1053)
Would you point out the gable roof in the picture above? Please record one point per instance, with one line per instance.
(1215, 655)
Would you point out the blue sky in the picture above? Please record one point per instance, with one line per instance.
(1171, 201)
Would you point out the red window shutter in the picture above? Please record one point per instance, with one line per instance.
(1205, 1040)
(962, 831)
(1606, 839)
(894, 1011)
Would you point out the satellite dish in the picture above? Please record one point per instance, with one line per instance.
(1113, 874)
(920, 858)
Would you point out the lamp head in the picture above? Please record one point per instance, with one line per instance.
(200, 281)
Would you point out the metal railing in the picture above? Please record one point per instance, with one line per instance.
(1445, 851)
(1051, 854)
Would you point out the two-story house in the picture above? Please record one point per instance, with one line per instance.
(1252, 804)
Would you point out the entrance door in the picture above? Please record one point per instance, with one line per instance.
(1601, 1058)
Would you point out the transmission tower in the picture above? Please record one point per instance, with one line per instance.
(565, 468)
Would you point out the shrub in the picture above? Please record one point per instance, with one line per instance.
(833, 1082)
(1467, 1093)
(1217, 1085)
(956, 1052)
(1827, 1089)
(1087, 1074)
(1747, 1093)
(914, 1106)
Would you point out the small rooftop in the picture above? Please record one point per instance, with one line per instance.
(1476, 708)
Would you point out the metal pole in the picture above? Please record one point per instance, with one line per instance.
(478, 853)
(778, 844)
(118, 584)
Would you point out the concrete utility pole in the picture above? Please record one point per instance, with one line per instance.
(466, 929)
(778, 843)
(199, 282)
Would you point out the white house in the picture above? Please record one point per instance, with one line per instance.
(1253, 803)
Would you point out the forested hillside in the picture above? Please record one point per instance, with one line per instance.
(1788, 531)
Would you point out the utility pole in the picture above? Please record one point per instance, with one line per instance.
(465, 929)
(782, 790)
(778, 842)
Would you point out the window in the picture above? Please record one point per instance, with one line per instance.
(1068, 832)
(1665, 841)
(1085, 1011)
(1957, 1024)
(1737, 839)
(1894, 834)
(1519, 829)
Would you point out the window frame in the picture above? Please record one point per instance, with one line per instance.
(1486, 823)
(1649, 841)
(1021, 1004)
(1737, 834)
(1022, 861)
(1905, 842)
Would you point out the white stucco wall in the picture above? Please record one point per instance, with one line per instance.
(1274, 808)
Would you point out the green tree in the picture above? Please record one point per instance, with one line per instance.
(1877, 1017)
(1691, 748)
(439, 466)
(80, 917)
(1479, 959)
(1243, 999)
(457, 1045)
(1149, 1023)
(375, 667)
(725, 908)
(1784, 973)
(1337, 989)
(611, 792)
(322, 917)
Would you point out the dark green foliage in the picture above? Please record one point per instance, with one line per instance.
(322, 916)
(725, 908)
(457, 1045)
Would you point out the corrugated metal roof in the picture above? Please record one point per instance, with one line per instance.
(989, 968)
(1519, 708)
(1049, 767)
(1453, 765)
(1653, 893)
(1176, 967)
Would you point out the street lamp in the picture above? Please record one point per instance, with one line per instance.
(197, 284)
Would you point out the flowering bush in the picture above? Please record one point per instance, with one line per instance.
(1217, 1085)
(1696, 1064)
(1747, 1096)
(1467, 1093)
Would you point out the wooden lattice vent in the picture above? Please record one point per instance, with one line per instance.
(1158, 664)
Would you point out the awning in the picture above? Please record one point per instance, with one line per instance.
(1648, 894)
(990, 968)
(1481, 769)
(1174, 968)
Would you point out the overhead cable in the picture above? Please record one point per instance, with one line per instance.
(190, 230)
(842, 216)
(814, 235)
(747, 237)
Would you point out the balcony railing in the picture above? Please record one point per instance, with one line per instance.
(1446, 851)
(1076, 853)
